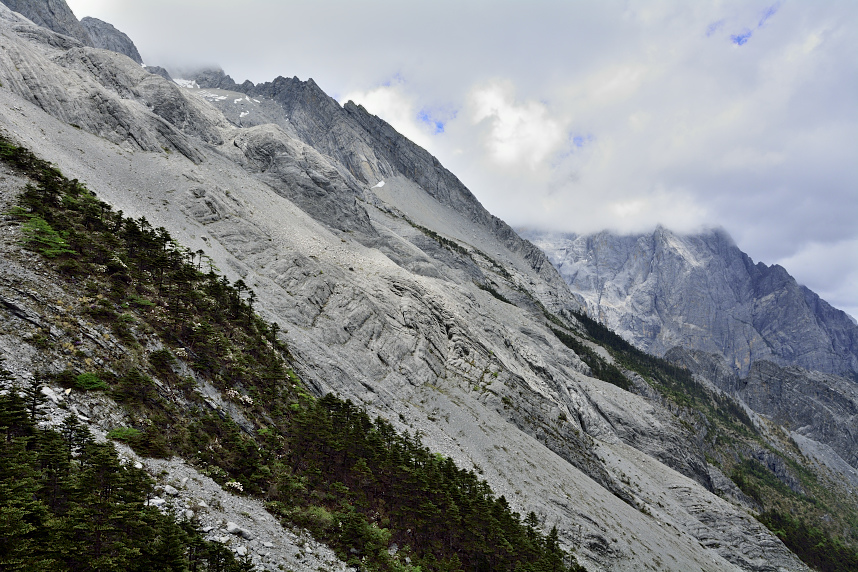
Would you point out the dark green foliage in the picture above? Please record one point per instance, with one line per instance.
(34, 399)
(675, 381)
(162, 360)
(361, 485)
(450, 245)
(811, 544)
(89, 382)
(488, 288)
(601, 369)
(5, 374)
(323, 463)
(67, 503)
(752, 477)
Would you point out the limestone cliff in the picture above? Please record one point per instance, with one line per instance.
(408, 297)
(52, 14)
(664, 289)
(106, 37)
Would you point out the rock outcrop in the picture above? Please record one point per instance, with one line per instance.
(408, 297)
(369, 150)
(101, 92)
(106, 37)
(158, 70)
(664, 289)
(52, 14)
(818, 406)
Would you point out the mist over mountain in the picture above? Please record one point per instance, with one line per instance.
(664, 289)
(252, 255)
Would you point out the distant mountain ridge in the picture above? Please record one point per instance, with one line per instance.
(664, 289)
(106, 37)
(52, 14)
(407, 298)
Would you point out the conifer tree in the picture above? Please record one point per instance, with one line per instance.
(33, 396)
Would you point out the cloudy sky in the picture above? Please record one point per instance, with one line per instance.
(582, 115)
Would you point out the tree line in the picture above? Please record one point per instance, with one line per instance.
(379, 498)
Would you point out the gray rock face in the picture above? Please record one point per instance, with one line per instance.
(106, 37)
(52, 14)
(369, 150)
(818, 406)
(376, 292)
(662, 290)
(303, 175)
(158, 70)
(101, 92)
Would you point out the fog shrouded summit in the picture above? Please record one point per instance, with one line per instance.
(584, 116)
(662, 290)
(394, 287)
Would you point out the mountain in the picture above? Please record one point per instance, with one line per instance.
(387, 283)
(106, 37)
(818, 406)
(52, 14)
(663, 289)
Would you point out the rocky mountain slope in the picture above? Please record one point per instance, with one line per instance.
(106, 37)
(52, 14)
(821, 407)
(663, 290)
(406, 297)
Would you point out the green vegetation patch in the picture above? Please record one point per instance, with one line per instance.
(124, 434)
(600, 368)
(321, 463)
(815, 548)
(90, 382)
(488, 288)
(68, 503)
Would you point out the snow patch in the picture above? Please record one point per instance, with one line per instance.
(379, 185)
(243, 113)
(682, 249)
(187, 83)
(209, 96)
(237, 100)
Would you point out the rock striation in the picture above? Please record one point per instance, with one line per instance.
(662, 290)
(818, 406)
(54, 15)
(369, 150)
(408, 297)
(106, 37)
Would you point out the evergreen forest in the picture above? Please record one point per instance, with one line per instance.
(380, 498)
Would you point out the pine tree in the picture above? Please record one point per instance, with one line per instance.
(33, 397)
(5, 375)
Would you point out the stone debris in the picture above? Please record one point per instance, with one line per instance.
(287, 206)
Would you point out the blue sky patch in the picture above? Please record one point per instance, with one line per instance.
(394, 80)
(714, 27)
(768, 13)
(424, 116)
(741, 39)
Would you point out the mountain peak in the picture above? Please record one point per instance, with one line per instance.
(107, 37)
(52, 14)
(710, 297)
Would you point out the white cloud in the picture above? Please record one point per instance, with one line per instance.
(519, 134)
(392, 103)
(581, 115)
